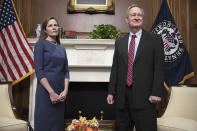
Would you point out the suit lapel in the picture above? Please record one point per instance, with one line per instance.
(125, 48)
(140, 46)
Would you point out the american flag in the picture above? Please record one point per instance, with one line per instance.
(16, 55)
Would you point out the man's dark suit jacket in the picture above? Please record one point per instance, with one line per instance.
(148, 70)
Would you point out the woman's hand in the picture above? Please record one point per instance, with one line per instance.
(62, 96)
(52, 94)
(53, 97)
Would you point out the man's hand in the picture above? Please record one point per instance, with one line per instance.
(110, 99)
(154, 99)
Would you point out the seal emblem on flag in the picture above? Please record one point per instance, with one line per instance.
(172, 40)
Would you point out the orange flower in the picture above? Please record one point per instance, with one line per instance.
(89, 129)
(83, 125)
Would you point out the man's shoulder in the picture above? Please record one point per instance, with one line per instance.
(151, 35)
(126, 36)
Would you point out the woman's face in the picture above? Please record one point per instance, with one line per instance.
(52, 28)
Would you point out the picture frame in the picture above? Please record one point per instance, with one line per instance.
(91, 6)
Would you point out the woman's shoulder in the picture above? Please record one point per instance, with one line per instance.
(62, 47)
(41, 41)
(40, 44)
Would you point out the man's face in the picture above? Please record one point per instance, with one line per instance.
(135, 18)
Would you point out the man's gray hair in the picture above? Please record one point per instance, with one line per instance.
(135, 5)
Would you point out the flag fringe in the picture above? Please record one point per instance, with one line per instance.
(182, 82)
(166, 86)
(168, 4)
(18, 19)
(187, 77)
(23, 77)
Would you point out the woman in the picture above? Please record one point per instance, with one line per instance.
(52, 72)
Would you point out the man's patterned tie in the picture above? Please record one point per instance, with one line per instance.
(130, 61)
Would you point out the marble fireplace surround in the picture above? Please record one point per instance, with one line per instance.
(89, 60)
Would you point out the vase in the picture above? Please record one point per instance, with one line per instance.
(38, 30)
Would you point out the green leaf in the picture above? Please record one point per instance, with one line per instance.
(105, 31)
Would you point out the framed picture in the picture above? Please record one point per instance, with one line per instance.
(91, 6)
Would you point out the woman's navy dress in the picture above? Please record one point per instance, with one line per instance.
(50, 62)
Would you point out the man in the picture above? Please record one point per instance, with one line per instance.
(136, 80)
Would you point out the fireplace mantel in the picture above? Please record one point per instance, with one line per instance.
(89, 60)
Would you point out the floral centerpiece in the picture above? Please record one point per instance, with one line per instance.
(83, 125)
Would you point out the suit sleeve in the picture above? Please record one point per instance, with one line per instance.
(158, 85)
(114, 70)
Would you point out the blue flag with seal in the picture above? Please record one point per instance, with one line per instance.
(177, 64)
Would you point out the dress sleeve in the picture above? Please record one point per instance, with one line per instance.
(39, 60)
(67, 74)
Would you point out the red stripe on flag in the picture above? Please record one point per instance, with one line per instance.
(5, 60)
(19, 53)
(22, 44)
(3, 73)
(19, 25)
(10, 54)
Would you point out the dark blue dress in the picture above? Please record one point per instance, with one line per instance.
(50, 62)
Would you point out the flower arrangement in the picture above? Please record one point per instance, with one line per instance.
(83, 125)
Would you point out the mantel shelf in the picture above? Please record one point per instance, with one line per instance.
(89, 66)
(87, 57)
(79, 41)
